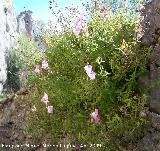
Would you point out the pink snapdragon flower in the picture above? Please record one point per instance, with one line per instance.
(80, 20)
(95, 116)
(79, 24)
(77, 31)
(44, 64)
(24, 73)
(50, 109)
(88, 68)
(45, 98)
(38, 70)
(90, 73)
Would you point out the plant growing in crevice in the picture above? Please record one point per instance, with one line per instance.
(98, 71)
(13, 82)
(6, 10)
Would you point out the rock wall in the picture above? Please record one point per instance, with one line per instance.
(25, 23)
(151, 26)
(8, 26)
(11, 26)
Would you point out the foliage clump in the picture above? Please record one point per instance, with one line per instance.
(107, 46)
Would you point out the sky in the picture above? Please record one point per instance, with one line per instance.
(40, 8)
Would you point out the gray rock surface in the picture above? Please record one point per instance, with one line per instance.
(13, 113)
(11, 27)
(25, 23)
(151, 26)
(8, 26)
(150, 141)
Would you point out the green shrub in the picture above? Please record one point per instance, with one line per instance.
(117, 58)
(28, 56)
(13, 82)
